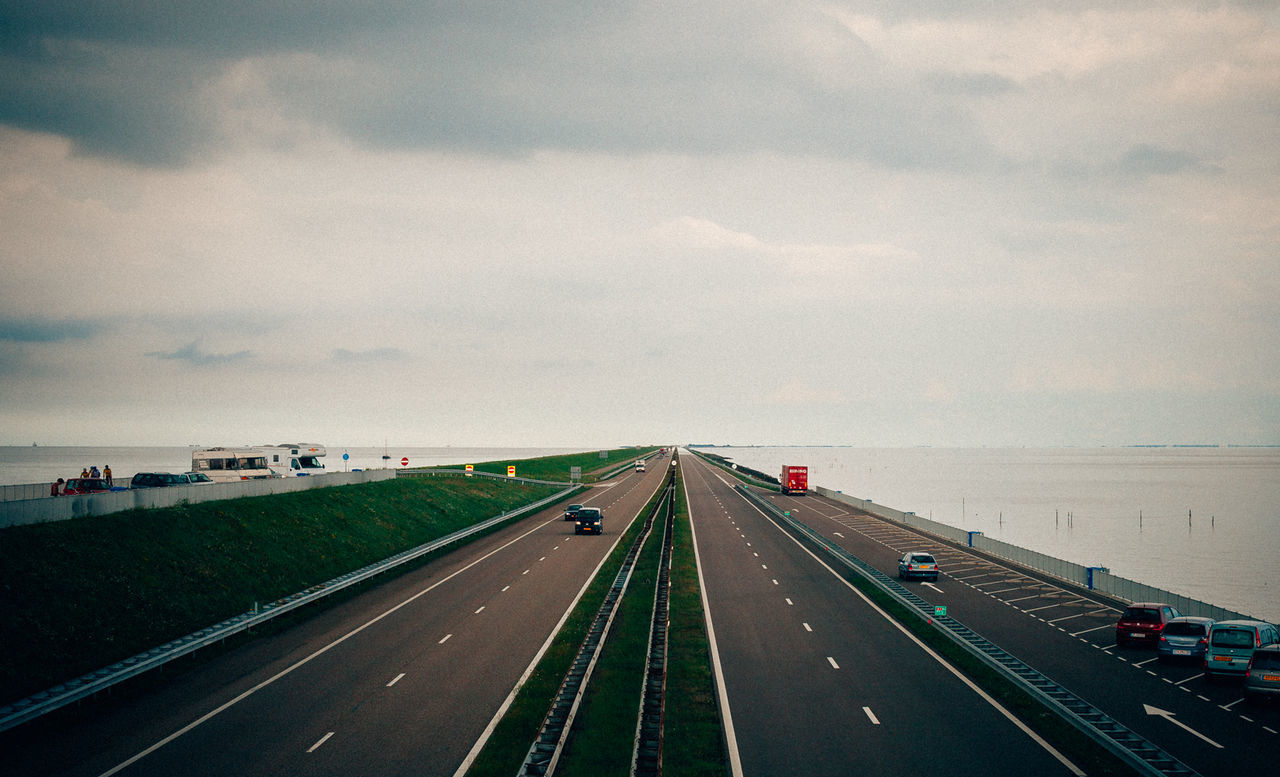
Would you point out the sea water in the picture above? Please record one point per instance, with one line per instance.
(1204, 522)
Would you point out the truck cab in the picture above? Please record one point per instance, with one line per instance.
(639, 465)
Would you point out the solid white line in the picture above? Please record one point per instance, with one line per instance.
(1066, 617)
(287, 670)
(833, 663)
(1047, 606)
(323, 739)
(730, 734)
(1095, 628)
(874, 720)
(1187, 679)
(395, 679)
(1011, 601)
(1144, 663)
(931, 653)
(446, 639)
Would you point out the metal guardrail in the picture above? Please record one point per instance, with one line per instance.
(1130, 747)
(428, 473)
(89, 684)
(646, 758)
(548, 745)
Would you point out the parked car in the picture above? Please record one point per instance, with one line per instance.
(917, 564)
(590, 520)
(157, 480)
(199, 478)
(1185, 637)
(1142, 622)
(1262, 678)
(571, 512)
(1231, 645)
(85, 486)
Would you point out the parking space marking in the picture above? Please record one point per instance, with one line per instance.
(1011, 601)
(395, 679)
(1144, 663)
(323, 739)
(1066, 617)
(1045, 607)
(445, 639)
(874, 720)
(807, 627)
(1095, 628)
(833, 663)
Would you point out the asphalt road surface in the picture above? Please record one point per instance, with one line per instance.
(818, 681)
(400, 680)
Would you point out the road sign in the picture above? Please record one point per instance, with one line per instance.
(939, 610)
(470, 468)
(511, 470)
(404, 462)
(346, 456)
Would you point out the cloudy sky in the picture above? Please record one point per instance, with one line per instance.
(554, 223)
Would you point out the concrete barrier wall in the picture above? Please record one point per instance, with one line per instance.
(61, 508)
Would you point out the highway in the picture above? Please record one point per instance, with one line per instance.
(818, 681)
(401, 679)
(1069, 635)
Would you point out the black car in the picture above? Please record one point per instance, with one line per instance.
(571, 512)
(589, 521)
(157, 480)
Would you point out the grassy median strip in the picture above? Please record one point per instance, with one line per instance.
(557, 467)
(81, 594)
(507, 747)
(693, 741)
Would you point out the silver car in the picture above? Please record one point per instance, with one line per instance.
(918, 565)
(1262, 678)
(1184, 637)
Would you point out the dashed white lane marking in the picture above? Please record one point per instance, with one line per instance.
(833, 663)
(764, 566)
(323, 739)
(525, 572)
(790, 602)
(446, 639)
(872, 716)
(480, 610)
(807, 627)
(757, 555)
(841, 536)
(775, 581)
(395, 679)
(544, 558)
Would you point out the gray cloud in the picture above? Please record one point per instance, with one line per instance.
(193, 354)
(19, 330)
(1148, 159)
(344, 356)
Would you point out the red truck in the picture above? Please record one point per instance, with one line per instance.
(794, 480)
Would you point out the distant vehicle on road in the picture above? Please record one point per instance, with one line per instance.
(1262, 678)
(1185, 637)
(571, 512)
(158, 480)
(590, 520)
(1231, 645)
(639, 465)
(227, 465)
(85, 486)
(794, 480)
(1143, 622)
(918, 565)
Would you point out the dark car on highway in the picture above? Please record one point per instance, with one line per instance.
(918, 565)
(589, 521)
(1143, 622)
(571, 512)
(157, 480)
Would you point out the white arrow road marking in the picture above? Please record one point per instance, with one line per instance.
(841, 536)
(934, 587)
(1169, 716)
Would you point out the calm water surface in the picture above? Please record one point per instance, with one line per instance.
(1204, 522)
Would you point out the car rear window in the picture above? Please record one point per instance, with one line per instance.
(1266, 659)
(1141, 614)
(1233, 638)
(922, 558)
(1177, 629)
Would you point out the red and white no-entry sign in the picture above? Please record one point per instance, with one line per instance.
(404, 462)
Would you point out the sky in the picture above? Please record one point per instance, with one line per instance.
(886, 223)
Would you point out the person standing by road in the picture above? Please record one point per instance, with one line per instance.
(106, 475)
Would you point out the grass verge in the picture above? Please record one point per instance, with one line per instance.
(557, 467)
(81, 594)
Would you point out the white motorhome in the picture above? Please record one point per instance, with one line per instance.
(224, 465)
(293, 460)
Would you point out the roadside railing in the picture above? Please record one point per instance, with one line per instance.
(89, 684)
(1130, 747)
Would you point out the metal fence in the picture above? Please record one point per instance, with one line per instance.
(1093, 578)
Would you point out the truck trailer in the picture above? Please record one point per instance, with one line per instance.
(794, 480)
